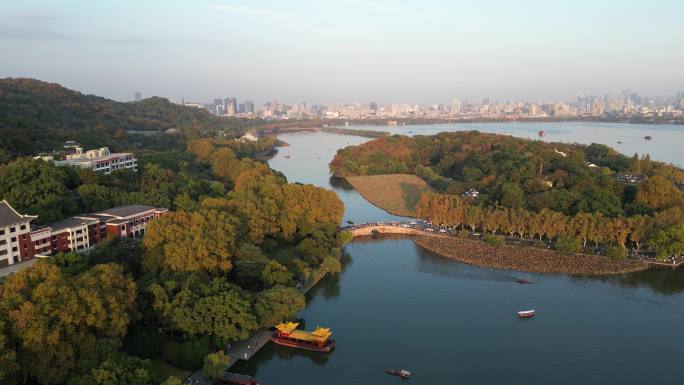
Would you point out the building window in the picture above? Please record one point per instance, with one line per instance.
(15, 249)
(23, 227)
(13, 229)
(2, 232)
(3, 252)
(2, 242)
(14, 239)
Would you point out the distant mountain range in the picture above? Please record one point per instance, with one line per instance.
(38, 116)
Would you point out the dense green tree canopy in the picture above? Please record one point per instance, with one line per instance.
(57, 318)
(278, 304)
(33, 186)
(217, 308)
(215, 365)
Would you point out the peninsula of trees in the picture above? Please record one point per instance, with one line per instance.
(574, 195)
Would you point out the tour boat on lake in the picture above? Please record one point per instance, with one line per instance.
(523, 281)
(398, 372)
(319, 340)
(526, 314)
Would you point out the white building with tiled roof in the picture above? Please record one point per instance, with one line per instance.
(19, 242)
(100, 160)
(15, 237)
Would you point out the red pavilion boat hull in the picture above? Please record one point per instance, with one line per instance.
(301, 345)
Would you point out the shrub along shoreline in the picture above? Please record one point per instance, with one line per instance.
(527, 259)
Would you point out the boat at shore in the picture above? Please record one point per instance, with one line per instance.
(524, 281)
(319, 340)
(526, 314)
(236, 379)
(398, 372)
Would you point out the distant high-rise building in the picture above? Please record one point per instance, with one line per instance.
(680, 99)
(241, 108)
(455, 107)
(373, 108)
(230, 106)
(137, 96)
(485, 102)
(249, 107)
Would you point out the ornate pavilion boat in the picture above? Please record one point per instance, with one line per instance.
(319, 340)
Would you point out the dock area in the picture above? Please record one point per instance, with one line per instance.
(244, 350)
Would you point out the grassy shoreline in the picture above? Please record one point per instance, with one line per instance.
(527, 259)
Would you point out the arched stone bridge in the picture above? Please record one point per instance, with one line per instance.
(409, 228)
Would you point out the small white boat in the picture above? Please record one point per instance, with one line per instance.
(526, 314)
(398, 372)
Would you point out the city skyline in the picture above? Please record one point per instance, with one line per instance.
(625, 105)
(352, 50)
(672, 97)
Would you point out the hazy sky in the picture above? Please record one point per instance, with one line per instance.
(347, 50)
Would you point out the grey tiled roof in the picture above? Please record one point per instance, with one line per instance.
(10, 217)
(125, 211)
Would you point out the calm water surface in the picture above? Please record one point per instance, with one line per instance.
(398, 306)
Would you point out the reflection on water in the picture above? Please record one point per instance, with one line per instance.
(398, 305)
(660, 279)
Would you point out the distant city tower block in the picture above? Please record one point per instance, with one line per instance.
(137, 97)
(455, 107)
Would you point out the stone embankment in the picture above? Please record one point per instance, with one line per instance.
(506, 257)
(529, 259)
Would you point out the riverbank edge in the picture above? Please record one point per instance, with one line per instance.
(527, 259)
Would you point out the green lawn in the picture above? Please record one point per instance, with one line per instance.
(166, 370)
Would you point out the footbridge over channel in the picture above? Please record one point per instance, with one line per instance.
(412, 228)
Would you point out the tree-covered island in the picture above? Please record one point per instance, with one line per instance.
(575, 198)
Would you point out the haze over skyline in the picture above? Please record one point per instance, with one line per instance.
(347, 51)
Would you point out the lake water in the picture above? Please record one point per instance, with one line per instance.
(398, 306)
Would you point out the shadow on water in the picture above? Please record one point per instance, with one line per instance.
(271, 351)
(439, 266)
(662, 280)
(340, 183)
(329, 286)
